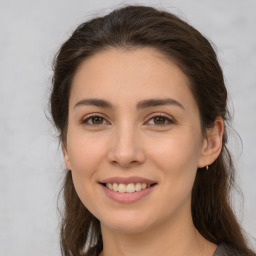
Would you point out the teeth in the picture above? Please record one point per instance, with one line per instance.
(110, 186)
(138, 187)
(143, 185)
(130, 188)
(127, 188)
(115, 187)
(121, 188)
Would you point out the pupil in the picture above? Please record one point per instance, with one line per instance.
(97, 120)
(159, 120)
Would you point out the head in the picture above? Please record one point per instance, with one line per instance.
(155, 56)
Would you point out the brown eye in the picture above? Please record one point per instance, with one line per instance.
(160, 121)
(94, 120)
(97, 120)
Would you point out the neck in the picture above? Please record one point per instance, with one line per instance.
(176, 238)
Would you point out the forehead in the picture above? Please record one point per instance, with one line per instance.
(130, 75)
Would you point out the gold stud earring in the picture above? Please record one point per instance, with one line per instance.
(207, 167)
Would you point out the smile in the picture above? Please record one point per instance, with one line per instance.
(127, 188)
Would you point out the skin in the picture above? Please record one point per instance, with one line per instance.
(126, 141)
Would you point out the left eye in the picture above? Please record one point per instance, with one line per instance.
(160, 120)
(94, 120)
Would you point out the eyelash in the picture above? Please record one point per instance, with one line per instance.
(166, 119)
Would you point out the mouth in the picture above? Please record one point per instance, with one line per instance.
(127, 185)
(127, 188)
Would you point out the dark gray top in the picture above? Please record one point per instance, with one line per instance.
(224, 250)
(221, 250)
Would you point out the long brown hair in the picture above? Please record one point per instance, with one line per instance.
(132, 27)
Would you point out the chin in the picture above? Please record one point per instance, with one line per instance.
(128, 223)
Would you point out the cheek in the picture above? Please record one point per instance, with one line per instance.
(177, 158)
(85, 154)
(177, 153)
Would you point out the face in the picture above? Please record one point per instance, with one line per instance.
(133, 127)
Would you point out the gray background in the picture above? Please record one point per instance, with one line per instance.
(30, 161)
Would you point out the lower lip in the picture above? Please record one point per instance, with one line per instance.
(127, 197)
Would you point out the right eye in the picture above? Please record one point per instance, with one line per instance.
(94, 120)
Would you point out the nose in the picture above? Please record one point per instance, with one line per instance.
(125, 149)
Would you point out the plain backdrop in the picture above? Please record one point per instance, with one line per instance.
(31, 169)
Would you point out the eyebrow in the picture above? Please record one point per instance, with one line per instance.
(140, 105)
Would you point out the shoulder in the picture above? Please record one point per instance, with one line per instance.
(226, 250)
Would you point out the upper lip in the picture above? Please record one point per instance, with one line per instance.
(128, 180)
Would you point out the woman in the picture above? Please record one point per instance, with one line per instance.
(141, 106)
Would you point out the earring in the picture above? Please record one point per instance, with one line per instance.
(207, 167)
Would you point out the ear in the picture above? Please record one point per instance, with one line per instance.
(212, 144)
(66, 157)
